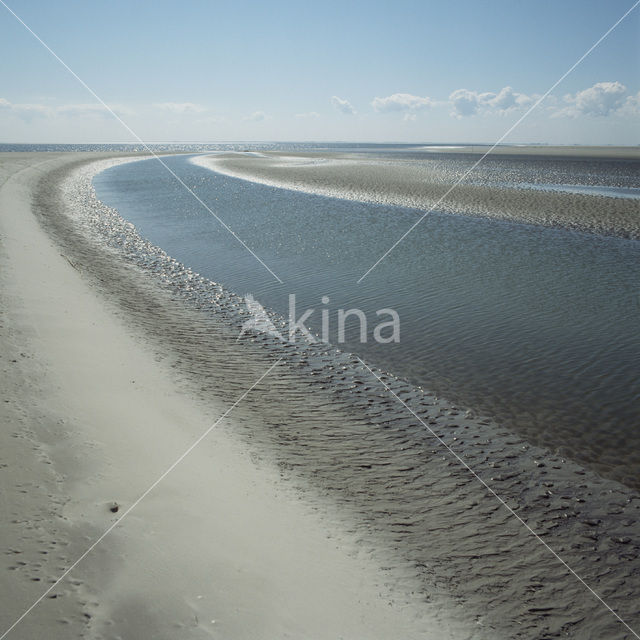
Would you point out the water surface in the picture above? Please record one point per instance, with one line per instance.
(537, 327)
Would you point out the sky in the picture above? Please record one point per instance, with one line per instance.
(376, 71)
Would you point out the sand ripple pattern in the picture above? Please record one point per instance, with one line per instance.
(493, 190)
(339, 437)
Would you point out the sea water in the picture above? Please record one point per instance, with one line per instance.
(536, 327)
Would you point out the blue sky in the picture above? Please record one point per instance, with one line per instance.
(372, 71)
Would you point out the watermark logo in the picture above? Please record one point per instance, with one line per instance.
(259, 321)
(333, 327)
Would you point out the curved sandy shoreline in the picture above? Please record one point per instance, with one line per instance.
(404, 183)
(333, 434)
(94, 418)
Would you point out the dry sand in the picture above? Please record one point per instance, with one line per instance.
(221, 548)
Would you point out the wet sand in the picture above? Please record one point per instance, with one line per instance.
(92, 414)
(121, 351)
(570, 151)
(422, 186)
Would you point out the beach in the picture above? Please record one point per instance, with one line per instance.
(91, 419)
(318, 506)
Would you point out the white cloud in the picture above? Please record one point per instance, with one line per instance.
(468, 103)
(343, 105)
(208, 120)
(180, 107)
(26, 111)
(602, 99)
(80, 110)
(310, 114)
(505, 99)
(464, 102)
(402, 102)
(631, 106)
(257, 116)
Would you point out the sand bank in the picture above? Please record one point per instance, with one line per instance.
(569, 151)
(428, 184)
(92, 417)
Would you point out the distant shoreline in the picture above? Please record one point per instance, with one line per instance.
(577, 151)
